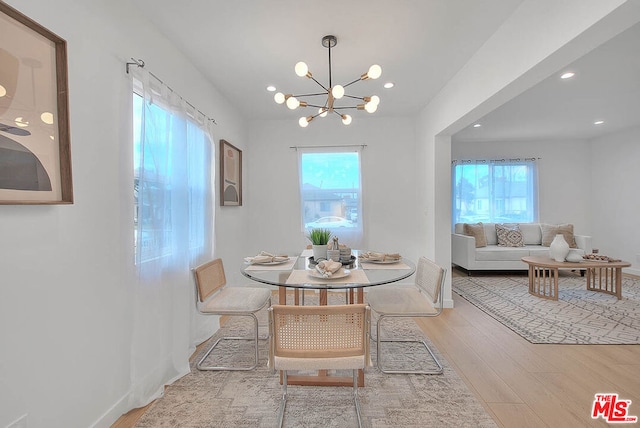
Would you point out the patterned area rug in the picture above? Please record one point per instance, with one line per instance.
(578, 316)
(251, 398)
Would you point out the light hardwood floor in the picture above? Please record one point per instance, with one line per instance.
(521, 384)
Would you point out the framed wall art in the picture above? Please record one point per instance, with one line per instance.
(35, 154)
(230, 174)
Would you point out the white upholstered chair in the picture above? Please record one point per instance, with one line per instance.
(216, 299)
(319, 338)
(424, 299)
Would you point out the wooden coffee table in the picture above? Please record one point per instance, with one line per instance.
(605, 277)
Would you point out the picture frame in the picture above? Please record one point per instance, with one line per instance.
(35, 151)
(230, 174)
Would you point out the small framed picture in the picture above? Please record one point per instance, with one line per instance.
(35, 154)
(230, 174)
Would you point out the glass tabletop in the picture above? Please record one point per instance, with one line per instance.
(300, 272)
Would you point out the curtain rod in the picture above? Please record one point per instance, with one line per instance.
(140, 63)
(319, 147)
(494, 160)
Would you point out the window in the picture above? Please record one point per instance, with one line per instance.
(164, 178)
(495, 191)
(330, 190)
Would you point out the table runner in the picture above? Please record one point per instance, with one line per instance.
(302, 277)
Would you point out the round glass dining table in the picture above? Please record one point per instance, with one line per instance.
(299, 273)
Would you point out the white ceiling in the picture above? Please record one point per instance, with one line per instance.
(244, 46)
(606, 87)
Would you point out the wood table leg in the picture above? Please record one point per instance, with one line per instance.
(282, 295)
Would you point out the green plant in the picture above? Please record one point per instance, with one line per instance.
(319, 236)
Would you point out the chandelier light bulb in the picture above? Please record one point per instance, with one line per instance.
(337, 92)
(374, 100)
(346, 119)
(304, 121)
(370, 107)
(374, 72)
(322, 112)
(301, 69)
(293, 103)
(279, 98)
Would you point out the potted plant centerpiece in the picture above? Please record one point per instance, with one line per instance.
(319, 239)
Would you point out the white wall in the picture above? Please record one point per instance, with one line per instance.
(614, 201)
(66, 271)
(564, 171)
(388, 176)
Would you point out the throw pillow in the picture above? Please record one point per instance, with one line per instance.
(477, 231)
(549, 231)
(509, 235)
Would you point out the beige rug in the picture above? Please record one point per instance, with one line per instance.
(251, 399)
(579, 316)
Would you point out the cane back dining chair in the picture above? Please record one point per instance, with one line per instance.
(424, 299)
(319, 338)
(216, 299)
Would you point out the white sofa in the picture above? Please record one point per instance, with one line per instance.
(494, 257)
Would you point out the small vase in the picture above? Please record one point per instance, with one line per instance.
(558, 249)
(319, 252)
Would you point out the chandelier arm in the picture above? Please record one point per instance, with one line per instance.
(355, 98)
(351, 83)
(321, 85)
(310, 95)
(316, 106)
(345, 108)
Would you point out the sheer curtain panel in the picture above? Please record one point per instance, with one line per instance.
(173, 232)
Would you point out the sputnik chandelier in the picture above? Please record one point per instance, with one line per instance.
(332, 93)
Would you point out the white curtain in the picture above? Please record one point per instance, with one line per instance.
(173, 229)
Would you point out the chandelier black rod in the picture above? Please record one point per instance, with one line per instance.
(310, 95)
(351, 83)
(321, 85)
(354, 97)
(329, 47)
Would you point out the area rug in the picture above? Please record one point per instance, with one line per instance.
(578, 316)
(251, 398)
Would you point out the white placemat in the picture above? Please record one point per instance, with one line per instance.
(370, 265)
(307, 253)
(281, 266)
(302, 277)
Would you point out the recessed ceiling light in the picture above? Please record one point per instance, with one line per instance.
(477, 125)
(598, 122)
(567, 75)
(389, 85)
(271, 88)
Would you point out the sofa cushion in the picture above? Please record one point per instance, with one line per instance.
(509, 235)
(538, 251)
(490, 233)
(549, 231)
(477, 231)
(495, 253)
(531, 233)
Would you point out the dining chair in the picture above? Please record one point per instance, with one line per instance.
(424, 299)
(319, 338)
(216, 299)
